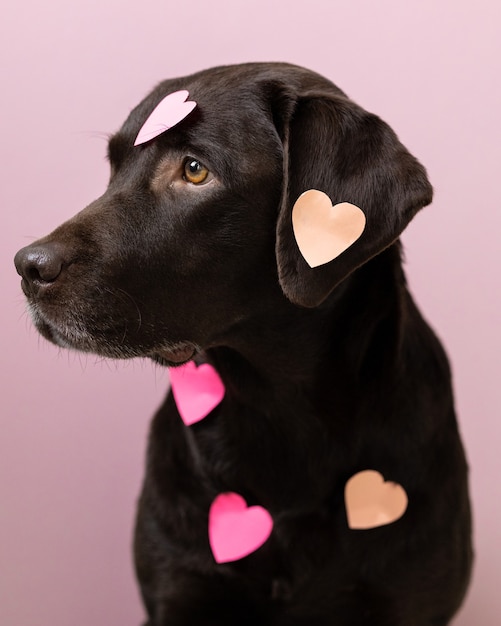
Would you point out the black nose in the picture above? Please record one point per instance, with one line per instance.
(39, 265)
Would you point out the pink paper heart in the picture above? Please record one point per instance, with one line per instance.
(236, 530)
(371, 502)
(168, 112)
(197, 390)
(323, 231)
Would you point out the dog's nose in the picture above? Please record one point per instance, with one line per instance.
(39, 265)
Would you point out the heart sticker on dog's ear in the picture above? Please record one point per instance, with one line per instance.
(236, 530)
(168, 112)
(196, 390)
(371, 502)
(323, 231)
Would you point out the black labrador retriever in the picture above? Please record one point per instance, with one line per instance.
(326, 373)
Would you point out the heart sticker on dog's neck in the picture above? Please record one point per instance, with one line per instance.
(196, 390)
(323, 231)
(236, 530)
(168, 112)
(371, 502)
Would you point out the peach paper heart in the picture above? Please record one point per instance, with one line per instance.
(236, 530)
(323, 231)
(371, 502)
(168, 112)
(196, 390)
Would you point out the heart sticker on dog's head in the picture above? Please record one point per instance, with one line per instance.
(168, 112)
(371, 502)
(323, 231)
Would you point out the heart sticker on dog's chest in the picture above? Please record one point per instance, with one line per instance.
(168, 112)
(236, 530)
(196, 390)
(323, 231)
(371, 502)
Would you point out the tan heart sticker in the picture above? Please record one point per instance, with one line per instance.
(371, 502)
(324, 231)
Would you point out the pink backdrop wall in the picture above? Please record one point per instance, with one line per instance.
(73, 427)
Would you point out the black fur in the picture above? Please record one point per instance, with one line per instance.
(328, 371)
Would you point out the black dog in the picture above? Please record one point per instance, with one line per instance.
(328, 371)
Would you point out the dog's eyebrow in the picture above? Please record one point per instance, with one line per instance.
(117, 149)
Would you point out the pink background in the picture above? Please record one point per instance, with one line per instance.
(73, 427)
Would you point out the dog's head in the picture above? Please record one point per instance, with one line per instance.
(194, 234)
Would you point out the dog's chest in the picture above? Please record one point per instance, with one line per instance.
(268, 457)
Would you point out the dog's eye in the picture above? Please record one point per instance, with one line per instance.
(195, 172)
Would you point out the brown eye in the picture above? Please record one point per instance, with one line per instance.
(195, 172)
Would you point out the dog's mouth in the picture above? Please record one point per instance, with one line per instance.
(62, 335)
(76, 336)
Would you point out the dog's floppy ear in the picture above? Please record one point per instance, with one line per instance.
(334, 146)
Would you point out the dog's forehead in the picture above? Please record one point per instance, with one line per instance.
(234, 102)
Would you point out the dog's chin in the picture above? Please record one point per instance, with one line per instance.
(175, 355)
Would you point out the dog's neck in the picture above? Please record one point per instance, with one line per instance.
(289, 350)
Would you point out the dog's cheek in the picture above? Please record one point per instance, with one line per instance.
(189, 257)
